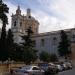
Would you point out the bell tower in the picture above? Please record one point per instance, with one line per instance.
(16, 25)
(18, 11)
(16, 20)
(20, 23)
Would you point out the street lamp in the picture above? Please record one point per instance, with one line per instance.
(9, 64)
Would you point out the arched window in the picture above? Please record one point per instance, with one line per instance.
(73, 37)
(29, 16)
(42, 42)
(15, 23)
(54, 40)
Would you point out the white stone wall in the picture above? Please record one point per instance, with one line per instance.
(50, 45)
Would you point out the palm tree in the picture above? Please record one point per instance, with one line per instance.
(3, 10)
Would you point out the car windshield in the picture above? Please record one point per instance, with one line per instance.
(43, 64)
(26, 68)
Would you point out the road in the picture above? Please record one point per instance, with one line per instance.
(68, 72)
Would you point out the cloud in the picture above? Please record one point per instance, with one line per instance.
(63, 13)
(52, 14)
(47, 22)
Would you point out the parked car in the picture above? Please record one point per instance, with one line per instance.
(29, 70)
(48, 68)
(53, 67)
(67, 65)
(64, 66)
(59, 67)
(43, 66)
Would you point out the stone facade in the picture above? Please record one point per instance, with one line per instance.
(49, 41)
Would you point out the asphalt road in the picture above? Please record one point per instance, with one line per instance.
(68, 72)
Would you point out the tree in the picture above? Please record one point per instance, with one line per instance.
(53, 58)
(10, 44)
(3, 51)
(3, 10)
(17, 53)
(64, 45)
(13, 49)
(29, 53)
(44, 56)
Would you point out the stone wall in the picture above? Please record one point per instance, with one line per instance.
(5, 68)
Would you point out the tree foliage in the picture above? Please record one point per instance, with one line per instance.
(17, 53)
(13, 49)
(44, 56)
(53, 58)
(3, 10)
(29, 53)
(3, 52)
(64, 44)
(10, 44)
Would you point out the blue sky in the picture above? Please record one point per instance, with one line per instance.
(52, 14)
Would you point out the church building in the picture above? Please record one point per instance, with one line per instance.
(47, 41)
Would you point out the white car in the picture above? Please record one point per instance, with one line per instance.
(68, 65)
(29, 70)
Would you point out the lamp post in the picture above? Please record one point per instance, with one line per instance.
(9, 64)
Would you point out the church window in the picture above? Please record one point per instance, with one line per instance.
(20, 24)
(15, 23)
(29, 16)
(73, 37)
(42, 42)
(54, 40)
